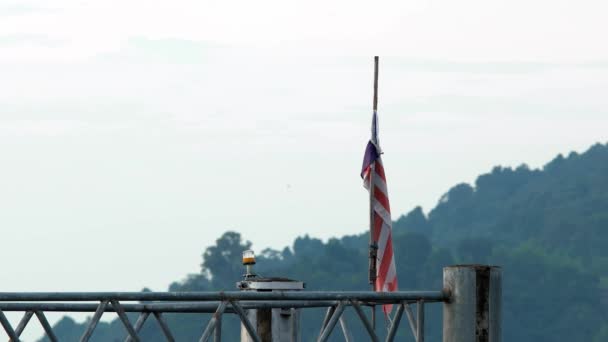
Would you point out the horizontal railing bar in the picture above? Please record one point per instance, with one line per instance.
(206, 307)
(379, 297)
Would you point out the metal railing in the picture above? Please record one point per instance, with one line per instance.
(155, 304)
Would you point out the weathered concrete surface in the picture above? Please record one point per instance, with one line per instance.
(276, 324)
(473, 313)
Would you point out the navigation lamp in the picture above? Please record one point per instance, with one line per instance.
(248, 257)
(249, 261)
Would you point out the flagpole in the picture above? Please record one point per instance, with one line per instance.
(376, 61)
(373, 244)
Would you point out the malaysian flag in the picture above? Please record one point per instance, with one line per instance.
(373, 174)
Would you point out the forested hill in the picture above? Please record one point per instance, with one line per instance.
(547, 228)
(562, 207)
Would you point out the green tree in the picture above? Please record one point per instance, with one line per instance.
(223, 261)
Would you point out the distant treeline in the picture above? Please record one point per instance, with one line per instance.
(547, 228)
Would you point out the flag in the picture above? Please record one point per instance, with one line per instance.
(374, 180)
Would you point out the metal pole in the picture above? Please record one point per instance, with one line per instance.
(217, 333)
(397, 318)
(376, 62)
(171, 297)
(332, 323)
(420, 322)
(212, 322)
(348, 337)
(330, 312)
(366, 324)
(373, 244)
(94, 320)
(473, 310)
(160, 319)
(249, 328)
(46, 326)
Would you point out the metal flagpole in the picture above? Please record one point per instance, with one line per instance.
(373, 244)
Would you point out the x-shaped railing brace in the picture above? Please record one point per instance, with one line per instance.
(215, 321)
(334, 315)
(14, 334)
(132, 331)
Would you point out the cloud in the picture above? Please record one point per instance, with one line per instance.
(481, 67)
(21, 9)
(162, 50)
(39, 128)
(469, 30)
(41, 40)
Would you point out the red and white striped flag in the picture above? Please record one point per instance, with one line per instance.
(373, 172)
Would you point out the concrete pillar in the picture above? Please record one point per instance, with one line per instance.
(473, 313)
(273, 325)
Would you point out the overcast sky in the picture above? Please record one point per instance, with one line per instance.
(132, 134)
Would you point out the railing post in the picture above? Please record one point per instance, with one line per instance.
(272, 324)
(473, 312)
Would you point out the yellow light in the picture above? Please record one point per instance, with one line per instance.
(248, 257)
